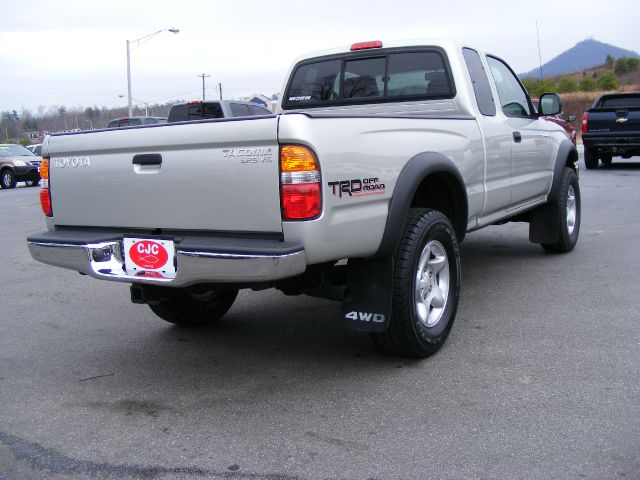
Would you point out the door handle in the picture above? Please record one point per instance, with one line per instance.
(147, 159)
(517, 137)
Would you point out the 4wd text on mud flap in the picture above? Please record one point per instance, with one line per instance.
(365, 317)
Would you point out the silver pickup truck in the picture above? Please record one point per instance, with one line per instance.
(382, 156)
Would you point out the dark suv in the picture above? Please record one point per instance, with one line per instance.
(17, 164)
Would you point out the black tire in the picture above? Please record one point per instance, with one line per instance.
(590, 159)
(417, 328)
(606, 160)
(568, 214)
(194, 306)
(32, 183)
(7, 179)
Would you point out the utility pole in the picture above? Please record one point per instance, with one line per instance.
(203, 76)
(220, 88)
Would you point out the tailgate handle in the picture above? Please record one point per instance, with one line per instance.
(147, 159)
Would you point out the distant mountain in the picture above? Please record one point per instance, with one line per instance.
(584, 55)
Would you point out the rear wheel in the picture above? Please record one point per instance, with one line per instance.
(32, 183)
(590, 159)
(194, 306)
(7, 179)
(426, 286)
(568, 214)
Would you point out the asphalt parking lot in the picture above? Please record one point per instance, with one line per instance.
(539, 379)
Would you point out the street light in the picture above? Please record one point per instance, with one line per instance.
(139, 42)
(146, 105)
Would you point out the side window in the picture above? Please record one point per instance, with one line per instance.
(315, 82)
(480, 81)
(239, 109)
(513, 98)
(257, 110)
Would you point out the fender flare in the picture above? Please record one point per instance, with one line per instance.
(411, 176)
(565, 152)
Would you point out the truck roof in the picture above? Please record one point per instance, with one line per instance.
(390, 43)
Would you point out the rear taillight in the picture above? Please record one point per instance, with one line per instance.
(585, 120)
(300, 192)
(45, 194)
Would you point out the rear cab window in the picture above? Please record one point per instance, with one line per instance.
(195, 111)
(371, 76)
(258, 110)
(622, 101)
(239, 109)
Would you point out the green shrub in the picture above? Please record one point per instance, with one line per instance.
(608, 81)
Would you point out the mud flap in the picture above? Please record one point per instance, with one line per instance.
(543, 224)
(367, 305)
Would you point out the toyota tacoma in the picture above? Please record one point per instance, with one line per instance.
(379, 160)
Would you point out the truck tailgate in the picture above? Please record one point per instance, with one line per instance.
(614, 120)
(215, 176)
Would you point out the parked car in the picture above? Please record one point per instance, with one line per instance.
(183, 112)
(36, 148)
(558, 119)
(18, 164)
(610, 128)
(135, 121)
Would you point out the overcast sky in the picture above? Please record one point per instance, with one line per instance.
(73, 52)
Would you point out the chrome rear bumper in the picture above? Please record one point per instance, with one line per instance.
(197, 259)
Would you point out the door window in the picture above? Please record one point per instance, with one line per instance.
(513, 98)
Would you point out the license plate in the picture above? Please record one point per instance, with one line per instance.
(151, 258)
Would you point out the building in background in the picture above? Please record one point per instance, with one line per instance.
(263, 101)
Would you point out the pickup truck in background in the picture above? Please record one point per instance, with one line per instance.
(610, 128)
(135, 121)
(185, 112)
(381, 158)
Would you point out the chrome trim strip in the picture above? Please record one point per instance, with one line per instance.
(232, 255)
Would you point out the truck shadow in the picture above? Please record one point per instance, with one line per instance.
(270, 343)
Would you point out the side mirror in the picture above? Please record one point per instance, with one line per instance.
(571, 118)
(550, 104)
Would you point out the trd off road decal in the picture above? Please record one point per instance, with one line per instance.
(358, 187)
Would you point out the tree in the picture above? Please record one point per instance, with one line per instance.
(532, 84)
(621, 66)
(62, 111)
(587, 85)
(609, 61)
(30, 124)
(567, 84)
(536, 87)
(608, 81)
(633, 63)
(91, 114)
